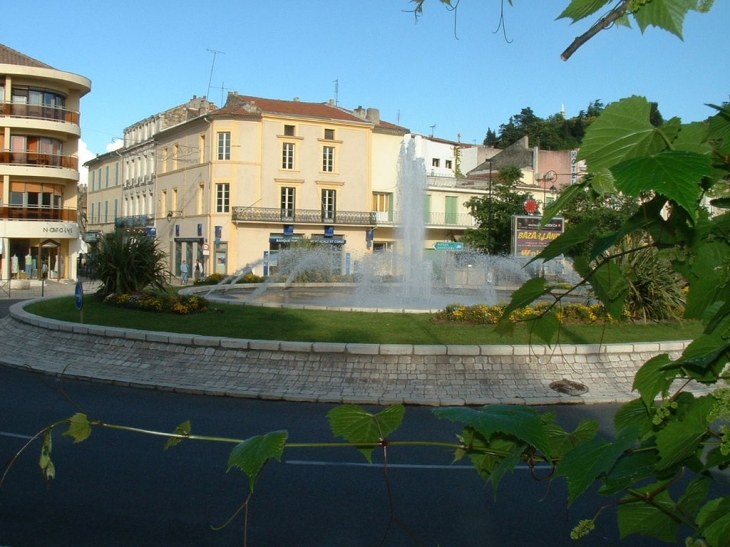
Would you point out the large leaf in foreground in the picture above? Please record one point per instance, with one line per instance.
(524, 423)
(622, 132)
(358, 426)
(653, 519)
(585, 463)
(674, 174)
(251, 455)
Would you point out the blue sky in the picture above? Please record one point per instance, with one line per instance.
(458, 75)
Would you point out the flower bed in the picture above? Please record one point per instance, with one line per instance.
(166, 303)
(489, 315)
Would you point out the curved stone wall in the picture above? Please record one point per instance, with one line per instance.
(326, 372)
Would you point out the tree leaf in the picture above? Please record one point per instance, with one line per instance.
(580, 9)
(694, 495)
(623, 131)
(653, 379)
(78, 427)
(681, 438)
(649, 519)
(546, 327)
(630, 468)
(587, 462)
(183, 429)
(358, 426)
(566, 241)
(251, 455)
(674, 174)
(610, 286)
(714, 521)
(45, 462)
(521, 422)
(529, 292)
(634, 413)
(666, 14)
(561, 442)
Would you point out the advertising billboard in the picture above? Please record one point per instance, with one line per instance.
(529, 238)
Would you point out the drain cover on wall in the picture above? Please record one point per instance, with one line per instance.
(569, 387)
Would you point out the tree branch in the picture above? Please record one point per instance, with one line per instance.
(600, 25)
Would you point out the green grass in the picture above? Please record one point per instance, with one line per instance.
(258, 323)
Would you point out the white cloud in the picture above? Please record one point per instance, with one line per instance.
(116, 144)
(84, 155)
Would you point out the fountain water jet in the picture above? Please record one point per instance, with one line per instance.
(400, 279)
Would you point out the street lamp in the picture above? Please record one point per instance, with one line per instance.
(489, 213)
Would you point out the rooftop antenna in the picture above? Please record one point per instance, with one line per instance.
(432, 128)
(337, 93)
(215, 53)
(223, 89)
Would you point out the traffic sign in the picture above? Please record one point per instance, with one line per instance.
(448, 246)
(79, 296)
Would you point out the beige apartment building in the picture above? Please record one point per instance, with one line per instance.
(246, 180)
(39, 168)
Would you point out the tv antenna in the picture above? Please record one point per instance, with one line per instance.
(432, 128)
(223, 89)
(337, 92)
(215, 53)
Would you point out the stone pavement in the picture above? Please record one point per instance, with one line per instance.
(324, 372)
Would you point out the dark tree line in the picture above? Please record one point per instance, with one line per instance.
(554, 132)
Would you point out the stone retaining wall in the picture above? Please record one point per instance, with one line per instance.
(326, 372)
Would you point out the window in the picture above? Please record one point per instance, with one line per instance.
(329, 134)
(447, 164)
(224, 145)
(329, 201)
(435, 162)
(328, 159)
(222, 198)
(452, 210)
(289, 130)
(287, 156)
(287, 203)
(382, 207)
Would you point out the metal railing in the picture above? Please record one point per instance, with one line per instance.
(302, 216)
(24, 110)
(39, 213)
(35, 159)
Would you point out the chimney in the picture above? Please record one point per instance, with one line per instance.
(360, 112)
(373, 115)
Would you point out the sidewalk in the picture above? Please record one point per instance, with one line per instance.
(26, 289)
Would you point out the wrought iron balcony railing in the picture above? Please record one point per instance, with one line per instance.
(303, 216)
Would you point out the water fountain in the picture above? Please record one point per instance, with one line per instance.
(401, 279)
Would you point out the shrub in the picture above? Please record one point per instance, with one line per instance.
(165, 303)
(129, 262)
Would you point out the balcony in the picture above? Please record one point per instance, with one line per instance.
(32, 158)
(303, 216)
(433, 220)
(38, 213)
(39, 112)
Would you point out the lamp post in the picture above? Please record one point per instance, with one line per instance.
(489, 211)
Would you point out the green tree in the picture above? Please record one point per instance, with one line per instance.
(494, 213)
(600, 213)
(129, 262)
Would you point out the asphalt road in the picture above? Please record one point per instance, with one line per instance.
(121, 489)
